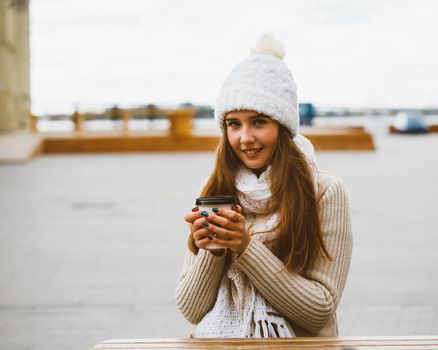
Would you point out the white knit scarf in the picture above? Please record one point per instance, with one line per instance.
(260, 319)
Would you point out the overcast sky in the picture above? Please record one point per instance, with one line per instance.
(342, 53)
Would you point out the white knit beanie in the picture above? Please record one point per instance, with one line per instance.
(262, 83)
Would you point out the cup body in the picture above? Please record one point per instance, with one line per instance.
(208, 208)
(220, 202)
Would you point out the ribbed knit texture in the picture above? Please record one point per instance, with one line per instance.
(197, 286)
(309, 302)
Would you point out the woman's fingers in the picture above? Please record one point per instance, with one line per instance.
(199, 223)
(202, 238)
(235, 216)
(222, 226)
(222, 232)
(204, 229)
(226, 218)
(217, 216)
(201, 234)
(202, 243)
(229, 226)
(236, 245)
(191, 217)
(238, 208)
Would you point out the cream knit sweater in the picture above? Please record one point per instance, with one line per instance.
(308, 303)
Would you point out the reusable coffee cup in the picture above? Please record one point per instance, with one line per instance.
(220, 202)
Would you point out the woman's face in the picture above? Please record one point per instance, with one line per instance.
(252, 137)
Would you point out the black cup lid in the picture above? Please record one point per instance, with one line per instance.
(216, 200)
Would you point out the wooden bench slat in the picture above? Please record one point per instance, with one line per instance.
(376, 343)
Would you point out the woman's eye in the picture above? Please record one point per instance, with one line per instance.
(232, 124)
(259, 122)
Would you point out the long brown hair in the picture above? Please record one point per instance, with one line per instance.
(299, 243)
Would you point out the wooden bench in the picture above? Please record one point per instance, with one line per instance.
(180, 136)
(340, 138)
(128, 142)
(324, 139)
(347, 343)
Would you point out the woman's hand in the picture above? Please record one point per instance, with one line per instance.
(222, 226)
(226, 228)
(200, 234)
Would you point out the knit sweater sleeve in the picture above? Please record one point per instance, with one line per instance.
(309, 301)
(198, 284)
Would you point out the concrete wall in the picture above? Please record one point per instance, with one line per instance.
(14, 65)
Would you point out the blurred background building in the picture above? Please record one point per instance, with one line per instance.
(14, 65)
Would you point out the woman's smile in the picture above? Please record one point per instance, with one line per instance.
(252, 152)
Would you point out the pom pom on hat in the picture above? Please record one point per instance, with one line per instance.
(270, 46)
(262, 83)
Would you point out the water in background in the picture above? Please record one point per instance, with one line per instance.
(377, 125)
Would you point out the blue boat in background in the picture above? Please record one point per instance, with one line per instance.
(307, 113)
(410, 122)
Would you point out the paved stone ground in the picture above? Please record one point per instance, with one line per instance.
(91, 245)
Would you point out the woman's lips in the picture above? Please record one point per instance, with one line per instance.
(251, 152)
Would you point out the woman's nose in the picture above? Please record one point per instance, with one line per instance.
(246, 135)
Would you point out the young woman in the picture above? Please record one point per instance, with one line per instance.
(287, 244)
